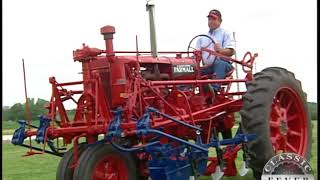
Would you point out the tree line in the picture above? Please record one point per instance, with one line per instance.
(37, 107)
(18, 110)
(313, 110)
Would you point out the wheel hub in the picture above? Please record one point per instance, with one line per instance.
(110, 168)
(283, 121)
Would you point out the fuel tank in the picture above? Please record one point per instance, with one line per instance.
(165, 68)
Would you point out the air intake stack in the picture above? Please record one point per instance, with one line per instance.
(107, 32)
(153, 41)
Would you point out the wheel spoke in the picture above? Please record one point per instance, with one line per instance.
(291, 147)
(289, 105)
(280, 97)
(281, 142)
(99, 175)
(275, 139)
(277, 109)
(274, 124)
(295, 133)
(276, 144)
(113, 177)
(108, 167)
(291, 117)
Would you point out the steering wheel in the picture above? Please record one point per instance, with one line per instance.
(201, 35)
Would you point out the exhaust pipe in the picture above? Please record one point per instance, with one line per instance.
(150, 8)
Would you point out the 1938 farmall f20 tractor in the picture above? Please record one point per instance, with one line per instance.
(160, 121)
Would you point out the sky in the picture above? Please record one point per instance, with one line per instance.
(45, 33)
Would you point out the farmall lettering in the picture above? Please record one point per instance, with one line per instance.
(185, 68)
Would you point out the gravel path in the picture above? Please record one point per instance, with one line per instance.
(8, 138)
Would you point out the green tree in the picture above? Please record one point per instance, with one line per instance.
(5, 112)
(18, 110)
(313, 110)
(38, 108)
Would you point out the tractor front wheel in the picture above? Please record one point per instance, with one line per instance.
(275, 109)
(65, 171)
(105, 162)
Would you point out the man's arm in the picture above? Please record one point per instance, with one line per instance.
(227, 47)
(224, 51)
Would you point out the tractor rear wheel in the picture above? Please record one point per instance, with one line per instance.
(105, 162)
(275, 109)
(64, 172)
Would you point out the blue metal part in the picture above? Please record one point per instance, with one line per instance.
(170, 161)
(144, 124)
(238, 139)
(115, 129)
(41, 132)
(154, 131)
(170, 169)
(19, 134)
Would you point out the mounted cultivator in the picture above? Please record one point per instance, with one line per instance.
(159, 120)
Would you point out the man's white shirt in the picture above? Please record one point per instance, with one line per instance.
(219, 35)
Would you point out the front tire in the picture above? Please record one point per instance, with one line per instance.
(104, 161)
(64, 172)
(275, 109)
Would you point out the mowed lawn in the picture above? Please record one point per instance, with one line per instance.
(8, 127)
(43, 167)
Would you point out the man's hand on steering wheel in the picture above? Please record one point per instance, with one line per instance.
(201, 35)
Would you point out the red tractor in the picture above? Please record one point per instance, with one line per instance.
(158, 119)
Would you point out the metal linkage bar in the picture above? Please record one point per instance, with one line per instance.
(40, 149)
(137, 148)
(178, 139)
(151, 109)
(143, 128)
(238, 139)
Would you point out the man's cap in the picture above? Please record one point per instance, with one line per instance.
(214, 13)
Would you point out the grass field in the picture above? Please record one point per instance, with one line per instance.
(8, 127)
(40, 167)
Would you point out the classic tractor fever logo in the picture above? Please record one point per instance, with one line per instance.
(287, 166)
